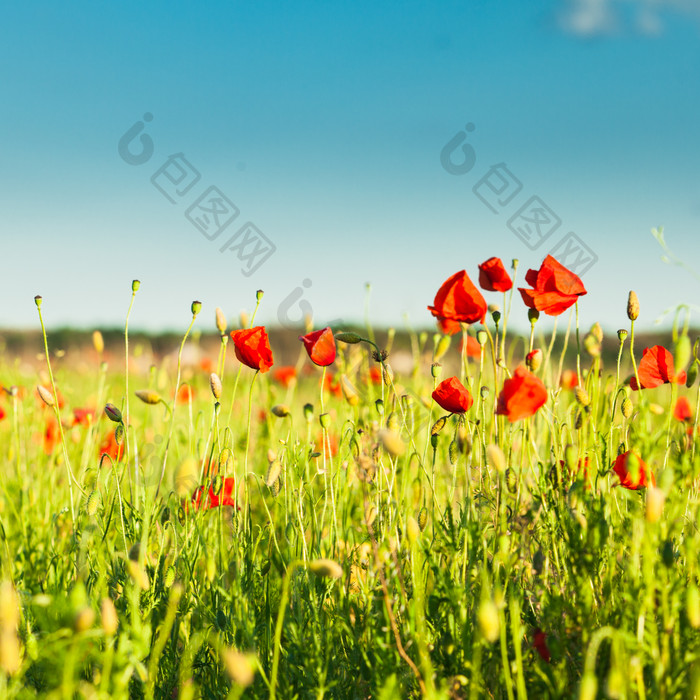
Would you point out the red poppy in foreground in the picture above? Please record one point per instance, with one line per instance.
(569, 379)
(458, 301)
(284, 375)
(225, 497)
(683, 411)
(655, 369)
(632, 471)
(554, 288)
(522, 396)
(451, 395)
(493, 276)
(321, 346)
(252, 348)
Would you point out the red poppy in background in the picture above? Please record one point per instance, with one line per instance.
(51, 435)
(568, 379)
(109, 447)
(473, 347)
(493, 276)
(682, 410)
(539, 641)
(61, 400)
(522, 396)
(554, 288)
(83, 416)
(330, 445)
(632, 471)
(225, 497)
(320, 345)
(332, 385)
(206, 364)
(185, 393)
(284, 375)
(252, 348)
(656, 368)
(375, 375)
(2, 413)
(451, 395)
(458, 301)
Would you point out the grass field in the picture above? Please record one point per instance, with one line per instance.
(502, 517)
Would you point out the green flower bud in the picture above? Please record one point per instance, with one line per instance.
(113, 413)
(135, 284)
(196, 307)
(349, 338)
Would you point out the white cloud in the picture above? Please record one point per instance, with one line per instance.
(591, 18)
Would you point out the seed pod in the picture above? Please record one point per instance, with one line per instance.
(93, 503)
(45, 395)
(482, 337)
(387, 374)
(325, 420)
(484, 392)
(215, 385)
(632, 306)
(276, 487)
(622, 334)
(692, 374)
(627, 407)
(308, 412)
(533, 315)
(379, 405)
(149, 397)
(434, 441)
(422, 518)
(436, 370)
(196, 307)
(225, 460)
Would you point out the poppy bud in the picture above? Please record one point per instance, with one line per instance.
(438, 425)
(682, 353)
(215, 385)
(434, 441)
(626, 407)
(597, 332)
(113, 413)
(533, 360)
(387, 374)
(532, 316)
(326, 568)
(325, 420)
(349, 337)
(169, 577)
(220, 321)
(412, 529)
(487, 617)
(45, 395)
(379, 404)
(273, 472)
(591, 345)
(484, 392)
(259, 295)
(225, 460)
(422, 518)
(93, 503)
(511, 480)
(622, 335)
(98, 342)
(632, 306)
(496, 458)
(496, 316)
(582, 396)
(147, 396)
(308, 412)
(441, 346)
(692, 374)
(280, 410)
(453, 452)
(135, 284)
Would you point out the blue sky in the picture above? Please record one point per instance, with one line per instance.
(322, 125)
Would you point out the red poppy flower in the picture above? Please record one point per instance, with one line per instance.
(458, 301)
(109, 446)
(539, 641)
(332, 385)
(522, 396)
(632, 471)
(375, 375)
(52, 435)
(83, 416)
(225, 497)
(656, 368)
(330, 446)
(473, 347)
(683, 411)
(451, 395)
(555, 288)
(493, 276)
(206, 364)
(2, 413)
(569, 379)
(252, 348)
(284, 375)
(185, 394)
(321, 346)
